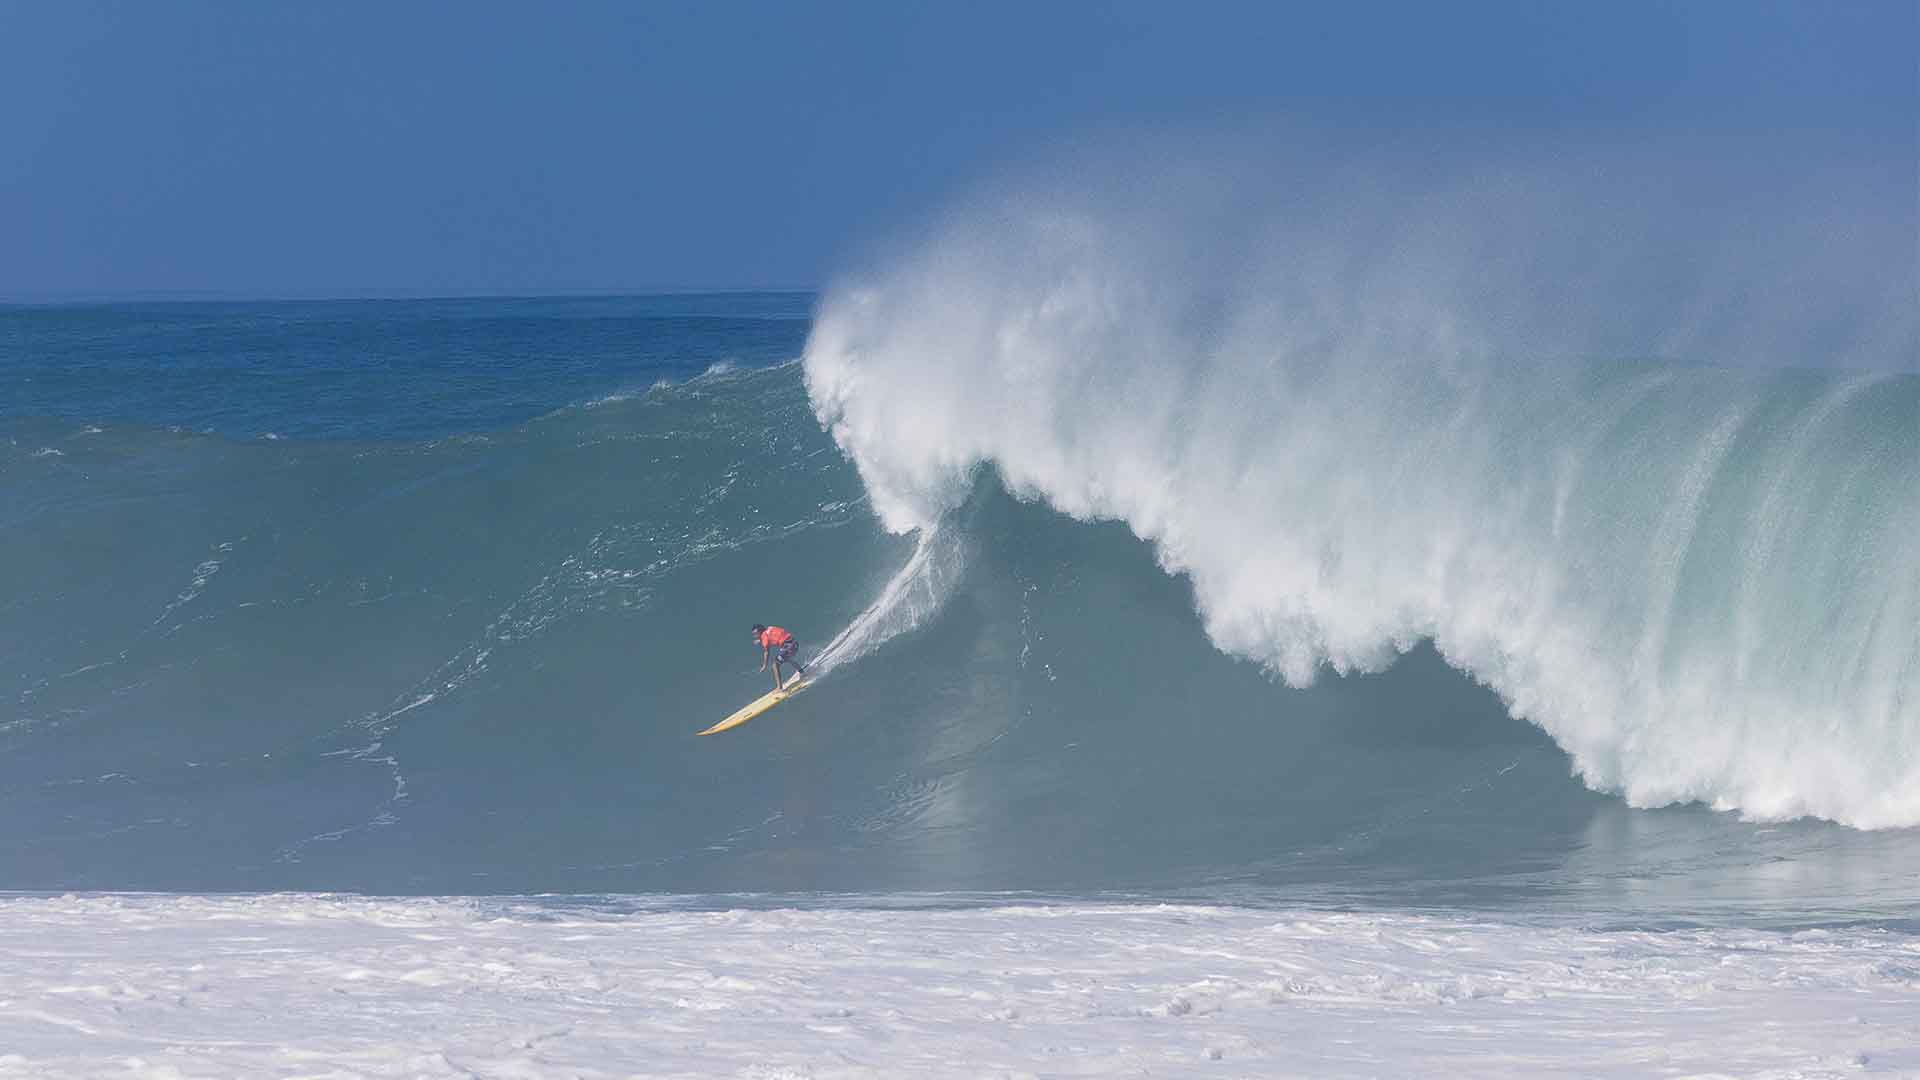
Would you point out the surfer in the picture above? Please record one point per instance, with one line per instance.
(780, 647)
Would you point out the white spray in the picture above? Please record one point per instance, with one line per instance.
(914, 593)
(1703, 583)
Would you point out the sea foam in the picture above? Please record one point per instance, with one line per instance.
(216, 986)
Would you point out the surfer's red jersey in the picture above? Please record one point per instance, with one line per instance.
(777, 647)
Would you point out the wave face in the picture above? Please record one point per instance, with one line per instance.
(1703, 582)
(473, 660)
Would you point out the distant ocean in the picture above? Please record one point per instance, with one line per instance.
(1195, 707)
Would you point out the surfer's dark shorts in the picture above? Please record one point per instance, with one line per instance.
(787, 651)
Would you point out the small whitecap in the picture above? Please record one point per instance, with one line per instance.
(609, 399)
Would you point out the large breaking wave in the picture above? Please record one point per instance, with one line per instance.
(1356, 423)
(477, 662)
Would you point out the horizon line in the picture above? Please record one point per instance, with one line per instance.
(111, 296)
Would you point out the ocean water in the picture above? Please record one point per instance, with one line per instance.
(1477, 693)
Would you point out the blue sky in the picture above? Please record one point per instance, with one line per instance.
(280, 148)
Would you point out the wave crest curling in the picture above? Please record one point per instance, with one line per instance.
(1701, 581)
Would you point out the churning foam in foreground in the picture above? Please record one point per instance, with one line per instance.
(1703, 582)
(169, 986)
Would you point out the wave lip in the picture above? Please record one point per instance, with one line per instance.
(1701, 582)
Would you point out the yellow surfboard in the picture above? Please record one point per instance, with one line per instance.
(758, 705)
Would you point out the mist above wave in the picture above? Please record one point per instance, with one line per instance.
(1358, 416)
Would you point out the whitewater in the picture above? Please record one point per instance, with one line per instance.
(348, 986)
(1703, 581)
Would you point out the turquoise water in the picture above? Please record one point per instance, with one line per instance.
(430, 597)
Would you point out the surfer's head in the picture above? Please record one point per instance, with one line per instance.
(758, 629)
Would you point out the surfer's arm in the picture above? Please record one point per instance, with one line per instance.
(765, 652)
